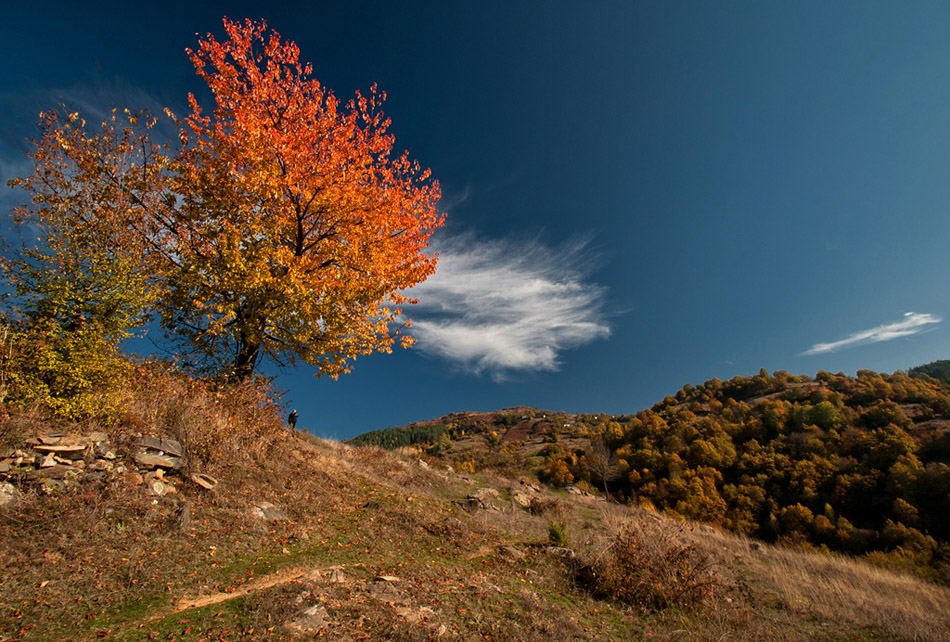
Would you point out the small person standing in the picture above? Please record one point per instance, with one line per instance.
(292, 419)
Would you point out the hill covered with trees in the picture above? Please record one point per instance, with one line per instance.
(852, 464)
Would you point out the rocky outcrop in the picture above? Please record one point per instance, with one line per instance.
(52, 462)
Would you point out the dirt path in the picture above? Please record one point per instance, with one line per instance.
(282, 576)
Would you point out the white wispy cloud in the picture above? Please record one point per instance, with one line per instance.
(501, 306)
(912, 323)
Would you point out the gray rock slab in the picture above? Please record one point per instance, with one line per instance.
(150, 460)
(167, 446)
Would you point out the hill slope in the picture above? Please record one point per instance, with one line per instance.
(855, 464)
(305, 538)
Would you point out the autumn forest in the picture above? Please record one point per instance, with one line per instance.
(859, 465)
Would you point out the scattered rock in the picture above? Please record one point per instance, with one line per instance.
(266, 510)
(336, 577)
(573, 490)
(512, 552)
(387, 578)
(9, 495)
(184, 515)
(560, 552)
(156, 487)
(4, 467)
(485, 494)
(311, 622)
(45, 461)
(521, 499)
(205, 481)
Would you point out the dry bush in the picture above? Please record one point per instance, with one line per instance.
(220, 424)
(650, 568)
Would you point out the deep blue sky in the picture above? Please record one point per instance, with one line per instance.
(640, 194)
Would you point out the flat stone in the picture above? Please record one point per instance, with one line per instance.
(167, 446)
(97, 436)
(512, 552)
(4, 467)
(205, 481)
(66, 452)
(49, 439)
(387, 578)
(149, 460)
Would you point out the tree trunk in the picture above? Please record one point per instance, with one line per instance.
(246, 359)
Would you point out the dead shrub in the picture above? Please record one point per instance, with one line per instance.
(650, 569)
(540, 505)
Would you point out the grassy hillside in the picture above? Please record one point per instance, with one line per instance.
(852, 464)
(302, 538)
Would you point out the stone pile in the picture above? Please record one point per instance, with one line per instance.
(54, 461)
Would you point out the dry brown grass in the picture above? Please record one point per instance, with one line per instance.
(834, 588)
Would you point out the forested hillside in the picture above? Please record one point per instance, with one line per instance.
(855, 464)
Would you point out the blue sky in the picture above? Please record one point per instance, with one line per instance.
(639, 194)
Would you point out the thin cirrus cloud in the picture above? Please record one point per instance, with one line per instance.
(912, 323)
(504, 306)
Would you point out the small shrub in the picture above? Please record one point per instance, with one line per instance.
(650, 570)
(557, 534)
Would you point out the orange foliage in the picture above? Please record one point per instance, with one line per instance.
(302, 230)
(283, 227)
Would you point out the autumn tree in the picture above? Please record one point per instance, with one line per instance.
(282, 227)
(76, 279)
